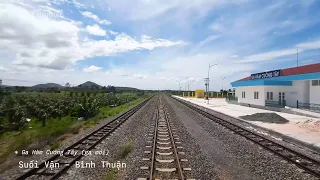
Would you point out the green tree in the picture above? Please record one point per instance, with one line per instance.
(42, 116)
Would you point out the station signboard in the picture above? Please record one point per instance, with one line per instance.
(269, 74)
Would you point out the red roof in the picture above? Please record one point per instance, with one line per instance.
(310, 68)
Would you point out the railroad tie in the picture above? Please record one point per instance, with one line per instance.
(166, 169)
(164, 154)
(163, 143)
(164, 148)
(163, 139)
(165, 160)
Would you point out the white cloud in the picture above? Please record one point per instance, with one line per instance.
(309, 45)
(95, 30)
(113, 32)
(144, 75)
(105, 22)
(139, 76)
(38, 41)
(75, 3)
(251, 28)
(124, 43)
(35, 43)
(143, 10)
(265, 56)
(78, 5)
(92, 68)
(272, 55)
(204, 42)
(95, 18)
(3, 68)
(217, 27)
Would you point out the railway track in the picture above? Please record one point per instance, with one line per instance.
(164, 154)
(304, 162)
(67, 159)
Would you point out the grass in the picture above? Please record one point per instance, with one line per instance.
(126, 150)
(107, 112)
(34, 133)
(111, 174)
(54, 146)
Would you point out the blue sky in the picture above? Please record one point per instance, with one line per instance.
(153, 44)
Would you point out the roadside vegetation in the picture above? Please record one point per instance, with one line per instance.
(28, 120)
(111, 174)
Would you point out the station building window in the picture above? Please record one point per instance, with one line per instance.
(269, 95)
(256, 95)
(315, 82)
(243, 94)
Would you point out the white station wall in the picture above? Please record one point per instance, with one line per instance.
(298, 91)
(249, 98)
(314, 94)
(302, 90)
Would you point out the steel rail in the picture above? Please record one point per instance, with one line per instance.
(164, 158)
(154, 144)
(177, 160)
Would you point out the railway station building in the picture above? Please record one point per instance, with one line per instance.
(293, 87)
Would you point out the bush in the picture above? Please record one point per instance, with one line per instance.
(76, 111)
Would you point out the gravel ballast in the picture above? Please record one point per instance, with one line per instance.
(232, 156)
(197, 161)
(266, 118)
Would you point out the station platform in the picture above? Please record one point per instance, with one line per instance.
(302, 128)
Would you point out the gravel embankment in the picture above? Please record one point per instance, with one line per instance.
(232, 156)
(132, 135)
(266, 118)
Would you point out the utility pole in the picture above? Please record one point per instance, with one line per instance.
(222, 86)
(223, 81)
(297, 57)
(179, 86)
(207, 83)
(208, 80)
(187, 82)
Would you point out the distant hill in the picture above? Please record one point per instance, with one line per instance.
(89, 85)
(86, 85)
(47, 85)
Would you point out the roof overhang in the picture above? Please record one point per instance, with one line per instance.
(261, 82)
(277, 81)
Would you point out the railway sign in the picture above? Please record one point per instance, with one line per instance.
(269, 74)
